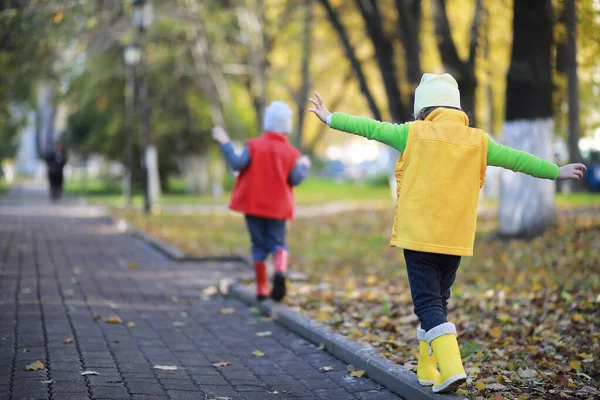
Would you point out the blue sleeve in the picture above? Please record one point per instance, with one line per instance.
(236, 162)
(298, 174)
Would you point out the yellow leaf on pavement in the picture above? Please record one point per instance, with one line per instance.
(326, 368)
(131, 266)
(480, 386)
(221, 364)
(226, 310)
(357, 374)
(34, 366)
(131, 324)
(113, 319)
(258, 353)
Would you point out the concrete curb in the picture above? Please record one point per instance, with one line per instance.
(383, 371)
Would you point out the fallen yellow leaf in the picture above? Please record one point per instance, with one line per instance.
(113, 319)
(326, 368)
(34, 366)
(480, 386)
(357, 374)
(415, 353)
(221, 364)
(58, 17)
(97, 316)
(496, 332)
(371, 280)
(575, 365)
(131, 266)
(258, 353)
(131, 324)
(226, 310)
(323, 317)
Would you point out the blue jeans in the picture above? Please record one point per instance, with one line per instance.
(431, 276)
(267, 236)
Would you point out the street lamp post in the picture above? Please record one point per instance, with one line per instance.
(132, 59)
(142, 19)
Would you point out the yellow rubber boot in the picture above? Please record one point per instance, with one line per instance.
(427, 372)
(442, 340)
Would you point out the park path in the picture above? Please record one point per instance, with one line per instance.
(65, 269)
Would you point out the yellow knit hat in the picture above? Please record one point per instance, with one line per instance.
(436, 90)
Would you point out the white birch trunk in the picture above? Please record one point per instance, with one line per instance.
(195, 172)
(527, 203)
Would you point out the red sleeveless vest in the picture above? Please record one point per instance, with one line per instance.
(263, 189)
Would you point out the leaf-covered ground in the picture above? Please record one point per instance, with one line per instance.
(527, 311)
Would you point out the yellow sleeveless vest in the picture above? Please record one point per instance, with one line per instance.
(439, 176)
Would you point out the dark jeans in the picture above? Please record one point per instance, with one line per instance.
(431, 276)
(56, 185)
(267, 236)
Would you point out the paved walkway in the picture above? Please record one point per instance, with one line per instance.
(65, 270)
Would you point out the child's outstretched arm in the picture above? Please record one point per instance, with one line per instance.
(236, 162)
(519, 161)
(394, 135)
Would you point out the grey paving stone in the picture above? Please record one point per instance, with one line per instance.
(145, 388)
(70, 396)
(70, 386)
(338, 394)
(109, 392)
(68, 242)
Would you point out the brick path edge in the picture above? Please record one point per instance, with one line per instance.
(383, 371)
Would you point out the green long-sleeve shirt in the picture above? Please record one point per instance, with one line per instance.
(396, 136)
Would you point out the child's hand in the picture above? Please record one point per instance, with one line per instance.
(304, 160)
(320, 110)
(571, 171)
(219, 134)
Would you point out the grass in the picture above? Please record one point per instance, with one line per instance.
(4, 186)
(312, 191)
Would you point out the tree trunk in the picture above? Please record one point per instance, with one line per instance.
(305, 88)
(574, 125)
(462, 71)
(526, 203)
(409, 14)
(194, 169)
(384, 54)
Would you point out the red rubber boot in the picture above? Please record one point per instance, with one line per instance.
(279, 285)
(262, 281)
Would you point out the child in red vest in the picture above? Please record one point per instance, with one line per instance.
(439, 174)
(269, 167)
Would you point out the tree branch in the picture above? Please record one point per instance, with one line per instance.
(384, 53)
(351, 55)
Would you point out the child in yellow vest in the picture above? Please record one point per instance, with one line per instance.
(439, 173)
